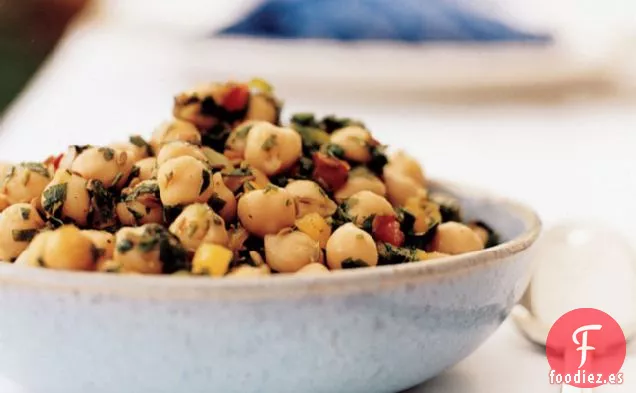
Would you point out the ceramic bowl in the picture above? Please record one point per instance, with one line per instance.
(377, 330)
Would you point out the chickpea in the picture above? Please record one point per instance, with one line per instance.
(481, 232)
(140, 204)
(184, 180)
(4, 202)
(263, 107)
(69, 156)
(360, 179)
(149, 249)
(32, 256)
(244, 176)
(272, 149)
(173, 131)
(222, 193)
(137, 149)
(435, 255)
(400, 187)
(288, 251)
(313, 269)
(198, 224)
(427, 213)
(19, 224)
(111, 167)
(355, 141)
(311, 198)
(250, 271)
(237, 140)
(349, 242)
(366, 203)
(454, 238)
(21, 183)
(66, 248)
(197, 106)
(4, 166)
(144, 169)
(267, 211)
(104, 243)
(215, 159)
(408, 166)
(67, 198)
(179, 149)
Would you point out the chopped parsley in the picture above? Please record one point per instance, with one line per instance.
(241, 132)
(107, 152)
(137, 216)
(143, 188)
(216, 203)
(378, 160)
(102, 205)
(125, 245)
(351, 263)
(332, 123)
(304, 119)
(270, 188)
(335, 151)
(25, 212)
(54, 198)
(117, 179)
(270, 142)
(193, 227)
(36, 167)
(23, 235)
(391, 255)
(240, 172)
(205, 183)
(140, 142)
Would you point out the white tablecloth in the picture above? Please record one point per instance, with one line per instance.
(569, 159)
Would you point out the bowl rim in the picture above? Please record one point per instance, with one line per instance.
(366, 279)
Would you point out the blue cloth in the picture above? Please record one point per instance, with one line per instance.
(355, 20)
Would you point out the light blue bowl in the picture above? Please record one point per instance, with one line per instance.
(376, 330)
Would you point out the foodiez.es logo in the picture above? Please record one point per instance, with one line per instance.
(586, 348)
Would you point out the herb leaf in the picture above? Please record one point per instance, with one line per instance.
(351, 263)
(391, 255)
(335, 151)
(107, 152)
(123, 246)
(36, 167)
(205, 175)
(23, 235)
(25, 212)
(270, 142)
(138, 141)
(54, 198)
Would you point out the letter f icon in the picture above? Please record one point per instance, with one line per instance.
(583, 344)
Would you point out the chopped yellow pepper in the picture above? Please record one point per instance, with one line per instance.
(315, 227)
(212, 259)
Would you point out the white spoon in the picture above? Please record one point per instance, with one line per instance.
(570, 257)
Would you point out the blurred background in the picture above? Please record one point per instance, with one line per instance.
(534, 99)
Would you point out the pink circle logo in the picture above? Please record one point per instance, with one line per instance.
(586, 348)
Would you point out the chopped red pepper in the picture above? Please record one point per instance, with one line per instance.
(330, 172)
(54, 160)
(386, 229)
(236, 98)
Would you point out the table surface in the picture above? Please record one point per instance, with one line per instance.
(568, 158)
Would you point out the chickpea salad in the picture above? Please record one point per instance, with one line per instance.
(226, 188)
